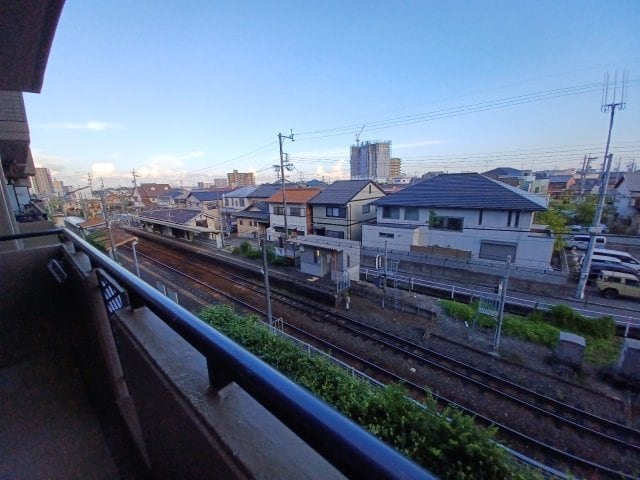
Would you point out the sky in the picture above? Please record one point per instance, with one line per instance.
(187, 91)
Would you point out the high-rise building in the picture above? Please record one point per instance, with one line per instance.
(395, 168)
(42, 181)
(239, 179)
(371, 160)
(221, 182)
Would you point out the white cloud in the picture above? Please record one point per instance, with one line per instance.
(93, 125)
(103, 169)
(167, 165)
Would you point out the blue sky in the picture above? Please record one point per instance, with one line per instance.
(187, 91)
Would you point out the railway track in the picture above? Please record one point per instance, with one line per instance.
(610, 448)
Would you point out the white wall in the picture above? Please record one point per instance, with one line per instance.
(533, 250)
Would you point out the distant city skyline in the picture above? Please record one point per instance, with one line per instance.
(190, 93)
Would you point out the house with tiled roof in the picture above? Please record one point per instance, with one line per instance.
(235, 201)
(559, 185)
(299, 214)
(183, 223)
(208, 202)
(466, 212)
(627, 194)
(152, 195)
(253, 221)
(340, 210)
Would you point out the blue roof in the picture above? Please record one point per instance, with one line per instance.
(207, 195)
(342, 192)
(265, 191)
(464, 190)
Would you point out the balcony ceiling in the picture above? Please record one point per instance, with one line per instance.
(27, 28)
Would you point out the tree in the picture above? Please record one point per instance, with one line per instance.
(557, 223)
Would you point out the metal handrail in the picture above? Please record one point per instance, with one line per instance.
(344, 444)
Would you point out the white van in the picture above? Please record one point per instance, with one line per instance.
(624, 257)
(581, 242)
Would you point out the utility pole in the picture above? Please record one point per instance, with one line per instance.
(384, 276)
(266, 281)
(503, 298)
(611, 107)
(135, 183)
(586, 166)
(105, 214)
(284, 194)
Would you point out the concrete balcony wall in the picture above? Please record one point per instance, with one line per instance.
(192, 431)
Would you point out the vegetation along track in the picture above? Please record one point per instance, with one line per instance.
(567, 435)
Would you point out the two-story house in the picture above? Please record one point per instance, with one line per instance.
(468, 212)
(152, 195)
(299, 214)
(208, 202)
(340, 210)
(253, 221)
(627, 194)
(235, 201)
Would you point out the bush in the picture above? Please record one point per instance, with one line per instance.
(245, 248)
(448, 444)
(458, 310)
(567, 319)
(602, 351)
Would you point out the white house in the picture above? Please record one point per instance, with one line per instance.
(468, 212)
(299, 215)
(627, 198)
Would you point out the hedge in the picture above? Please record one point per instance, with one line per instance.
(448, 444)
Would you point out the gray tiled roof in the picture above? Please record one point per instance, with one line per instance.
(174, 215)
(340, 192)
(241, 192)
(632, 180)
(258, 211)
(265, 191)
(464, 190)
(207, 195)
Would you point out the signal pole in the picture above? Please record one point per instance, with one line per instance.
(284, 194)
(606, 107)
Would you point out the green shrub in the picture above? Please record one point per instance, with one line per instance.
(245, 247)
(602, 351)
(450, 445)
(458, 310)
(567, 319)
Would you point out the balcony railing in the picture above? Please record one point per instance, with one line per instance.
(349, 448)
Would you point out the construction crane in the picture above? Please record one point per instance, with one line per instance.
(358, 136)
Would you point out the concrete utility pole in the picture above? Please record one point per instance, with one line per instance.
(284, 193)
(135, 183)
(586, 166)
(266, 281)
(610, 107)
(105, 214)
(384, 277)
(503, 298)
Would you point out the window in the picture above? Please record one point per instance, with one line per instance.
(517, 221)
(334, 234)
(411, 213)
(226, 202)
(509, 218)
(369, 188)
(446, 223)
(632, 283)
(386, 235)
(296, 212)
(278, 210)
(336, 211)
(366, 208)
(316, 256)
(242, 202)
(480, 217)
(391, 212)
(241, 222)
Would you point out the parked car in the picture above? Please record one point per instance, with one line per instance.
(581, 242)
(597, 267)
(613, 284)
(624, 257)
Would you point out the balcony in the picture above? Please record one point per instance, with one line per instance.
(104, 377)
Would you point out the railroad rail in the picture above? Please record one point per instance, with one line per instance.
(610, 435)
